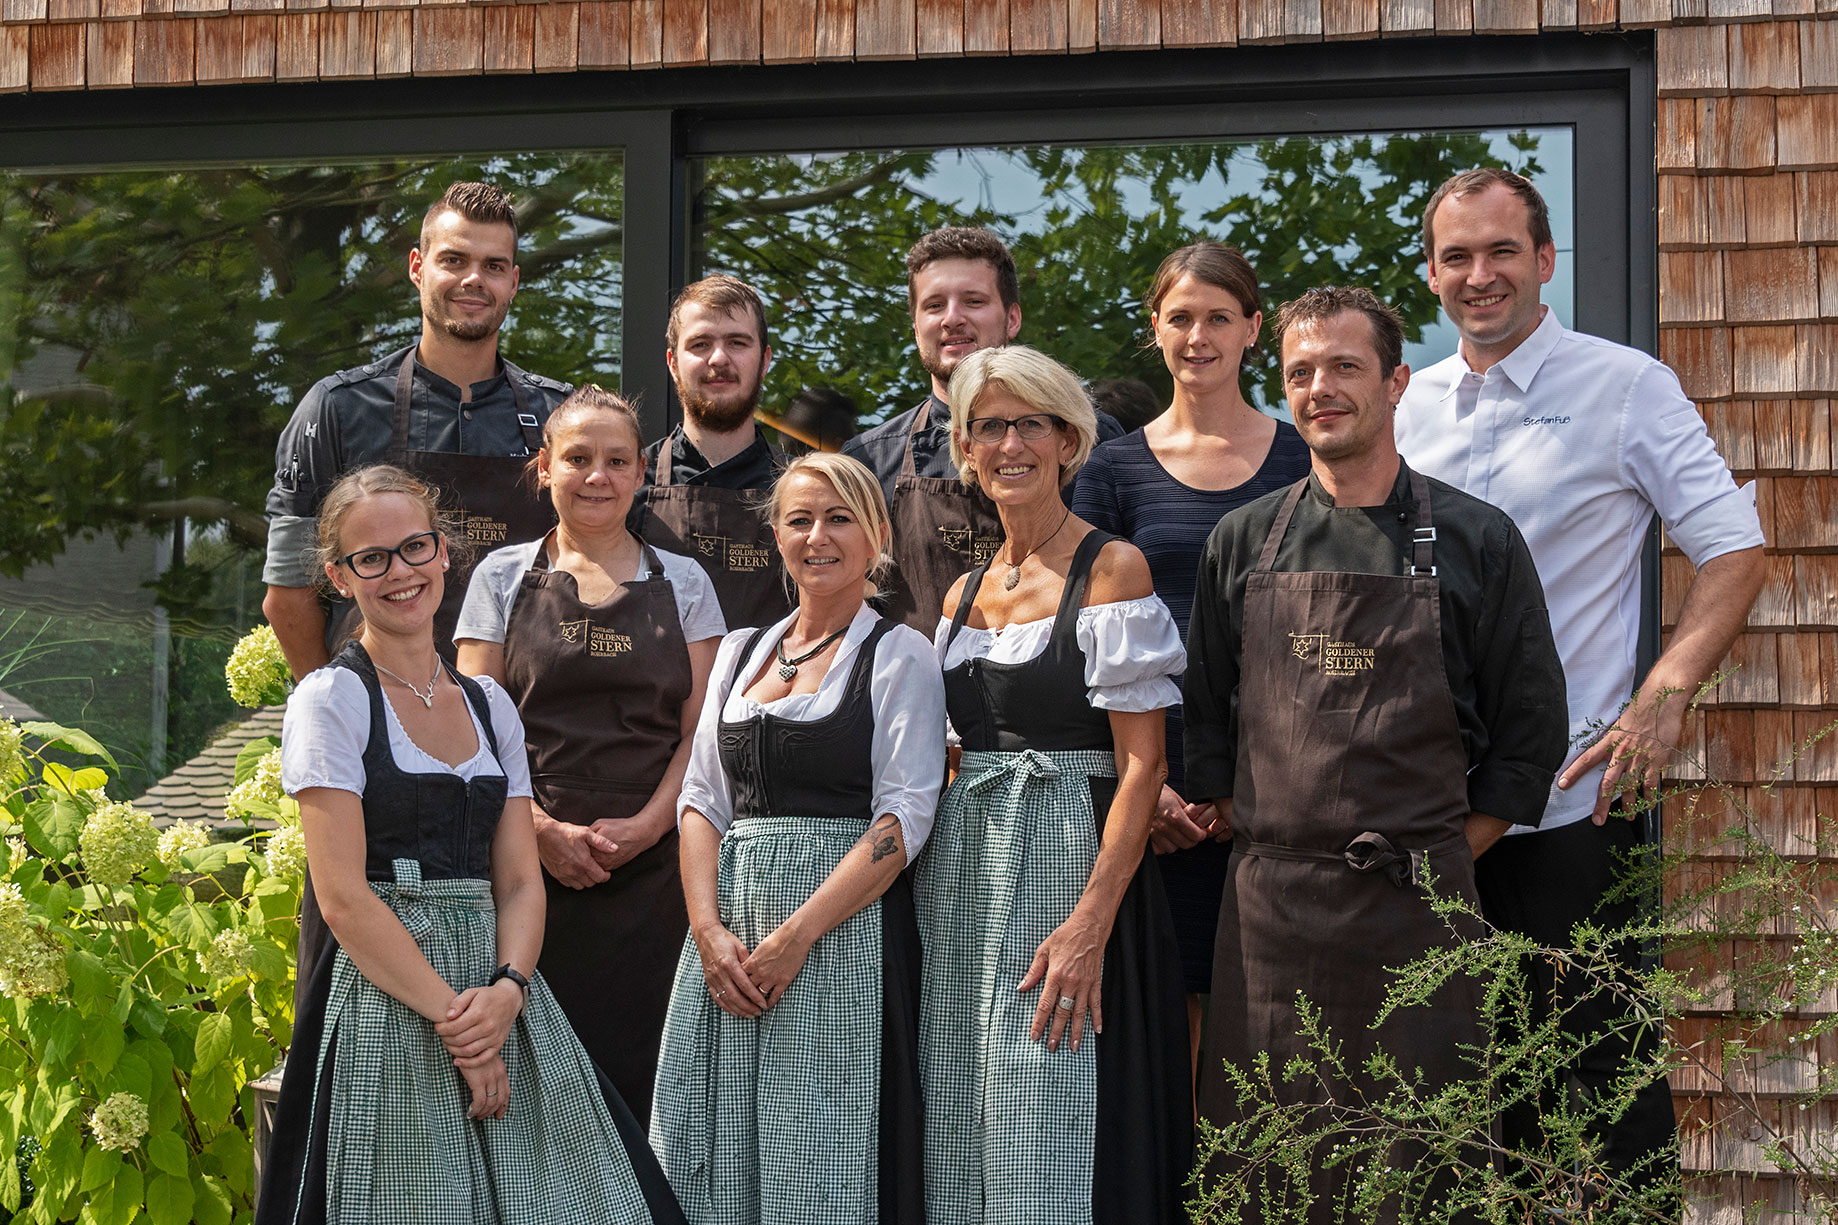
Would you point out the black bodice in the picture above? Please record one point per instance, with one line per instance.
(443, 821)
(820, 768)
(1039, 703)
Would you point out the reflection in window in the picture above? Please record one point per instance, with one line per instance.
(156, 329)
(824, 238)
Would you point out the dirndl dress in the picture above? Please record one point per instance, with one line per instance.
(1016, 1133)
(810, 1113)
(371, 1124)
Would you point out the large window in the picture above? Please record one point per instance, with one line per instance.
(824, 237)
(156, 328)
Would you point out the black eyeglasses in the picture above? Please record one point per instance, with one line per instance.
(1032, 428)
(417, 550)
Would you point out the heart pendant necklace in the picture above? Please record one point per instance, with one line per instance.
(788, 668)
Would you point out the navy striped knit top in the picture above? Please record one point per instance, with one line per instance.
(1123, 489)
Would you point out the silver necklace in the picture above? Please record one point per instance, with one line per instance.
(1012, 579)
(788, 668)
(427, 699)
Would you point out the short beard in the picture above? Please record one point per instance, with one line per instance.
(936, 368)
(462, 330)
(716, 418)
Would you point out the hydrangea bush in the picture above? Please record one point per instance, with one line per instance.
(146, 977)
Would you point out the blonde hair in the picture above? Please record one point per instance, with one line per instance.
(371, 481)
(859, 491)
(1037, 381)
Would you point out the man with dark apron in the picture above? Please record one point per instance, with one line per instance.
(964, 295)
(448, 408)
(708, 477)
(1372, 696)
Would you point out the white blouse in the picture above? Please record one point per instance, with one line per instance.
(1133, 653)
(327, 726)
(908, 695)
(497, 580)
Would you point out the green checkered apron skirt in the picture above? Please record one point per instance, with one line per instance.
(776, 1119)
(1009, 1125)
(401, 1148)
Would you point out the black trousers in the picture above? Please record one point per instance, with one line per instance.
(1541, 885)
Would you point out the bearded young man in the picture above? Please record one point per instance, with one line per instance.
(449, 408)
(706, 477)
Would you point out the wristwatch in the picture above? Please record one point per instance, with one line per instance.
(505, 971)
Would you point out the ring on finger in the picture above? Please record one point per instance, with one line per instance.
(1066, 1002)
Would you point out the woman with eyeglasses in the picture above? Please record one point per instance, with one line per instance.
(605, 644)
(1052, 1030)
(1163, 488)
(432, 1076)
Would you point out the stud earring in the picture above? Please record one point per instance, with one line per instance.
(343, 592)
(443, 565)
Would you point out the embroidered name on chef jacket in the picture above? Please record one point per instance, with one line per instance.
(599, 639)
(1545, 421)
(1332, 657)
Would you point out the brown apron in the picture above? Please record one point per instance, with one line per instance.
(601, 690)
(488, 499)
(942, 529)
(1352, 779)
(727, 532)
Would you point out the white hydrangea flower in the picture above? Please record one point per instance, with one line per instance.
(117, 841)
(12, 749)
(267, 776)
(32, 965)
(120, 1122)
(257, 670)
(264, 786)
(16, 853)
(228, 956)
(12, 915)
(180, 837)
(287, 853)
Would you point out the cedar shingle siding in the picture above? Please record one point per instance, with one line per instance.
(1747, 153)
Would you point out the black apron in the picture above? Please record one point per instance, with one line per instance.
(601, 690)
(726, 530)
(486, 495)
(1352, 779)
(942, 528)
(493, 507)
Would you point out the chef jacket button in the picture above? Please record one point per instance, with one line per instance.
(1402, 516)
(467, 413)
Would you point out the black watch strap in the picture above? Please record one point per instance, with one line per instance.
(505, 971)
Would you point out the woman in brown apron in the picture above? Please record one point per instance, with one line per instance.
(606, 645)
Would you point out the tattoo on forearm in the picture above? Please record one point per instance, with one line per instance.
(880, 839)
(886, 846)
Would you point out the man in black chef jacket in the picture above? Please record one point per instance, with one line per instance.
(1373, 695)
(449, 408)
(706, 478)
(964, 295)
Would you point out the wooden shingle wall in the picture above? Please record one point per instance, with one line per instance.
(1748, 234)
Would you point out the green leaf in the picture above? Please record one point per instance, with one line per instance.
(168, 1153)
(212, 858)
(55, 903)
(234, 1158)
(65, 1037)
(212, 1095)
(117, 1202)
(192, 925)
(212, 1206)
(132, 1074)
(103, 1043)
(56, 735)
(267, 959)
(10, 1188)
(90, 978)
(147, 1017)
(169, 1200)
(100, 1166)
(52, 824)
(252, 754)
(212, 1043)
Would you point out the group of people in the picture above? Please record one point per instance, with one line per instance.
(912, 833)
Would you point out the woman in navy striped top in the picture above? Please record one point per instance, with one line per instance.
(1162, 489)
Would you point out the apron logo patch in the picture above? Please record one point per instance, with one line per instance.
(1332, 657)
(599, 639)
(748, 557)
(709, 546)
(481, 529)
(978, 549)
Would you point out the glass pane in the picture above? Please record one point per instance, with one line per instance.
(824, 237)
(157, 327)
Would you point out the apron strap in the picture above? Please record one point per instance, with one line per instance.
(665, 454)
(971, 585)
(527, 424)
(1423, 538)
(1078, 578)
(1267, 558)
(922, 417)
(1369, 852)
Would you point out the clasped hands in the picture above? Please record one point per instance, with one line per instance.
(745, 984)
(581, 856)
(1176, 825)
(478, 1021)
